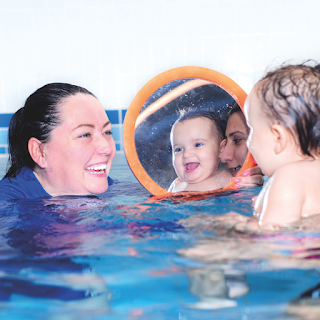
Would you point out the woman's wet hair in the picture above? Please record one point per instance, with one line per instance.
(37, 118)
(193, 113)
(233, 109)
(291, 97)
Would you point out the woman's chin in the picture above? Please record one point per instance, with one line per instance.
(97, 189)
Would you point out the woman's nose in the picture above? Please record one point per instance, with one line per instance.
(106, 145)
(227, 153)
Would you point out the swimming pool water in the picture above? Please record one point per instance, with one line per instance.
(123, 256)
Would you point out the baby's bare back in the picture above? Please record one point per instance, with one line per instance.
(309, 176)
(293, 193)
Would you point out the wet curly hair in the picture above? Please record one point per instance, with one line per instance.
(291, 97)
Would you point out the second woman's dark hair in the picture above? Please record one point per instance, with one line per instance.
(37, 118)
(233, 109)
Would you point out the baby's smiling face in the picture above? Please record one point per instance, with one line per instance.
(195, 149)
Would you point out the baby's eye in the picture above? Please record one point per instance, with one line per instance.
(108, 133)
(198, 144)
(177, 149)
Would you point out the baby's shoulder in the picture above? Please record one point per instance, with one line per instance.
(177, 185)
(297, 176)
(300, 169)
(225, 174)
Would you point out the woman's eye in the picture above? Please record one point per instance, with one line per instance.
(198, 144)
(237, 141)
(85, 135)
(108, 133)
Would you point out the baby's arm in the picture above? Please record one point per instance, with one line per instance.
(171, 188)
(283, 202)
(177, 185)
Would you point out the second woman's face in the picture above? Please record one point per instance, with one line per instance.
(81, 149)
(234, 147)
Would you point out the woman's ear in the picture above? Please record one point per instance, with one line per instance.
(35, 148)
(223, 144)
(280, 137)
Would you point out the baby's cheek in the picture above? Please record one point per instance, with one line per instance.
(249, 140)
(175, 163)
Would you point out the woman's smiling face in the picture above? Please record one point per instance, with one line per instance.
(79, 154)
(234, 147)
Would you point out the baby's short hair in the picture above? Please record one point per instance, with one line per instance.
(193, 113)
(291, 96)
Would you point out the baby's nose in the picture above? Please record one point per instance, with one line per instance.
(187, 153)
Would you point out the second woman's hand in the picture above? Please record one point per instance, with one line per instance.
(252, 177)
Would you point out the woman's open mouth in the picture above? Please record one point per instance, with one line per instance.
(190, 167)
(234, 171)
(97, 169)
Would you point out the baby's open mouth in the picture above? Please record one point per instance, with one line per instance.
(99, 169)
(235, 170)
(189, 167)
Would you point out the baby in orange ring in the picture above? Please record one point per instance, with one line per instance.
(196, 146)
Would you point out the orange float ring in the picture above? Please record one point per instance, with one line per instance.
(133, 113)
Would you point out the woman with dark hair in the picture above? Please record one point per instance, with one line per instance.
(234, 149)
(60, 143)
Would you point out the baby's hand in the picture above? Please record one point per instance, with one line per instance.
(252, 177)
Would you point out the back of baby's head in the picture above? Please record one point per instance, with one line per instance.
(291, 96)
(194, 113)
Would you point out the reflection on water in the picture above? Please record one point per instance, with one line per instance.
(216, 286)
(123, 256)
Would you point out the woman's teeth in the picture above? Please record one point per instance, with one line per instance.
(236, 168)
(97, 169)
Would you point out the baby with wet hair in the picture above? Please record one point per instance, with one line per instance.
(283, 114)
(195, 140)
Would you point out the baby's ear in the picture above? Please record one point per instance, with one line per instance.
(280, 137)
(35, 148)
